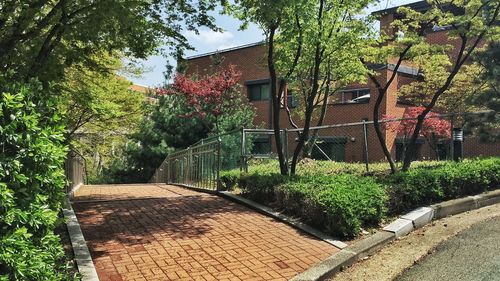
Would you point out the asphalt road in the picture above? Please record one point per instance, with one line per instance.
(473, 254)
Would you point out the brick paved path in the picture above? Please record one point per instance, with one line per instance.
(178, 234)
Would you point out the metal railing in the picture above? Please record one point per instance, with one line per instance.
(75, 169)
(197, 166)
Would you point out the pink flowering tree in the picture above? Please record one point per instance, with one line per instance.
(206, 97)
(434, 127)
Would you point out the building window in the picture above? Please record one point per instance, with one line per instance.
(258, 92)
(291, 100)
(353, 96)
(261, 145)
(333, 147)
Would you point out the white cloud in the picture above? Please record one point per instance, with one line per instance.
(210, 37)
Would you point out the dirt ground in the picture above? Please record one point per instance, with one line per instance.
(395, 258)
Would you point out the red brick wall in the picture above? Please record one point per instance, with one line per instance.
(251, 62)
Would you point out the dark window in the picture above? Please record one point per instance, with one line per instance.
(291, 99)
(353, 96)
(261, 145)
(333, 147)
(443, 150)
(401, 147)
(258, 92)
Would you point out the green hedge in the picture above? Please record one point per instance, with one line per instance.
(343, 200)
(340, 204)
(31, 184)
(260, 187)
(425, 185)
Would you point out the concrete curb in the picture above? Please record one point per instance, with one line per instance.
(82, 254)
(279, 216)
(400, 227)
(461, 205)
(71, 193)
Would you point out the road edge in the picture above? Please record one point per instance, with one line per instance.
(399, 227)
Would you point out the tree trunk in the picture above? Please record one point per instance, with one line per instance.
(275, 103)
(381, 137)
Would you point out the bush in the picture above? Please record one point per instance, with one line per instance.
(340, 204)
(229, 179)
(31, 184)
(260, 187)
(339, 198)
(425, 185)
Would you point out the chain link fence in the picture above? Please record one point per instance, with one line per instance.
(443, 137)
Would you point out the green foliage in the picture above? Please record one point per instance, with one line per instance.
(167, 129)
(229, 179)
(100, 111)
(315, 41)
(339, 204)
(340, 198)
(41, 38)
(31, 183)
(260, 187)
(488, 97)
(423, 185)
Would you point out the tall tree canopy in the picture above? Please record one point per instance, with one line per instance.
(40, 38)
(469, 24)
(313, 49)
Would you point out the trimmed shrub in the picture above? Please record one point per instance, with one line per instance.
(340, 204)
(343, 200)
(425, 185)
(260, 187)
(229, 179)
(31, 184)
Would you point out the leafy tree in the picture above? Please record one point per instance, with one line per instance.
(206, 96)
(269, 15)
(440, 67)
(96, 100)
(433, 128)
(100, 110)
(486, 125)
(189, 110)
(41, 38)
(312, 50)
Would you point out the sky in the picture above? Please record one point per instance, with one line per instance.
(209, 41)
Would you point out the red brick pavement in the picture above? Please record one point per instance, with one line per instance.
(186, 235)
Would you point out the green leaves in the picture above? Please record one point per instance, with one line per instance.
(31, 183)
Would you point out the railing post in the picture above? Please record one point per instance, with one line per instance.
(242, 150)
(285, 144)
(452, 148)
(218, 164)
(365, 143)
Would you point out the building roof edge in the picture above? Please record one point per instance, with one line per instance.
(226, 50)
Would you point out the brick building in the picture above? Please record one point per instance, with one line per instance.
(354, 103)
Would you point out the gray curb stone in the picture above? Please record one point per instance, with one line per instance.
(420, 216)
(346, 257)
(453, 207)
(400, 227)
(82, 254)
(328, 267)
(279, 216)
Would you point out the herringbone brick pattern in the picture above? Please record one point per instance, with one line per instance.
(192, 236)
(128, 191)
